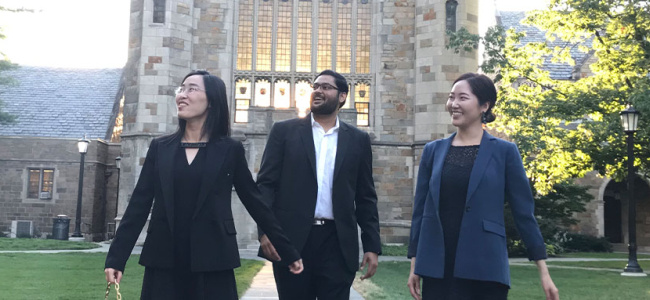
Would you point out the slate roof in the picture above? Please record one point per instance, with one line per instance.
(533, 34)
(64, 103)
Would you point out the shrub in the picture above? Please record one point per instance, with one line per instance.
(554, 213)
(576, 242)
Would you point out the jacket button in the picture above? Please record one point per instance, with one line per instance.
(467, 209)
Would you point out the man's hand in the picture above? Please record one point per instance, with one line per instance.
(113, 275)
(269, 250)
(296, 267)
(371, 259)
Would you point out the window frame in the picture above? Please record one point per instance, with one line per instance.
(41, 184)
(293, 76)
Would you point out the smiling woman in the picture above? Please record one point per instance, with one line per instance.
(74, 33)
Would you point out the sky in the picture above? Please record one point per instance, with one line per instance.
(93, 33)
(66, 33)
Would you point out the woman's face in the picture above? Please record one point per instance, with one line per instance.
(191, 99)
(463, 106)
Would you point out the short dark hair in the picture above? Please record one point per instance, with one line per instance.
(217, 123)
(339, 80)
(484, 89)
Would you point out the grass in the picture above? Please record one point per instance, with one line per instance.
(390, 283)
(42, 244)
(394, 250)
(619, 265)
(71, 276)
(601, 255)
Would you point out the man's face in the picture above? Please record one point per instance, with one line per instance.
(325, 98)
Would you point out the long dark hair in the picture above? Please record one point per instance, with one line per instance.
(484, 89)
(217, 123)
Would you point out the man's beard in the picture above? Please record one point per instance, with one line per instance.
(327, 108)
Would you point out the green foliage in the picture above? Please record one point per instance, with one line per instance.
(6, 65)
(566, 128)
(554, 212)
(586, 243)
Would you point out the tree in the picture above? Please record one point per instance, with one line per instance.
(6, 65)
(567, 128)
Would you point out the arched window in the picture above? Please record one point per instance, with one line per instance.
(283, 44)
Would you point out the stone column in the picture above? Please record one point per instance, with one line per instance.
(438, 67)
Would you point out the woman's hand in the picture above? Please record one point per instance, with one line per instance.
(113, 275)
(548, 286)
(296, 267)
(414, 282)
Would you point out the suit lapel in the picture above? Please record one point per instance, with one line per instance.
(341, 147)
(307, 138)
(480, 164)
(166, 153)
(438, 164)
(215, 156)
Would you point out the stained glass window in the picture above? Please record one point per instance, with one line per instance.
(280, 52)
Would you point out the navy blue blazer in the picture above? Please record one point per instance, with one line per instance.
(497, 176)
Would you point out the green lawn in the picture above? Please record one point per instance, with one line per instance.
(43, 244)
(600, 255)
(599, 264)
(71, 276)
(394, 250)
(390, 283)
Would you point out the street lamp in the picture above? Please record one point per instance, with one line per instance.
(630, 119)
(118, 163)
(82, 144)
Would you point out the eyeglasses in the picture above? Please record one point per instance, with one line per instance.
(188, 90)
(325, 87)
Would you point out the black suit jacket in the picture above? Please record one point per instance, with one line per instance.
(287, 178)
(213, 241)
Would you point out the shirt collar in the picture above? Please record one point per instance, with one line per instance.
(316, 124)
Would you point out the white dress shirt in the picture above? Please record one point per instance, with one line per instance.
(325, 144)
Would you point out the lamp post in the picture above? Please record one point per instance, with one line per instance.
(82, 144)
(118, 163)
(630, 118)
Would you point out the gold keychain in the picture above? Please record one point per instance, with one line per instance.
(117, 291)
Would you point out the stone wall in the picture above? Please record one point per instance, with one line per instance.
(18, 154)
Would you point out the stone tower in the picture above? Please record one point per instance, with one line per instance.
(410, 75)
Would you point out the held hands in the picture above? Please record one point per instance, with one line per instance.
(296, 267)
(112, 275)
(269, 250)
(371, 259)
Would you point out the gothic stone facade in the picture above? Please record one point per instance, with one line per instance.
(411, 73)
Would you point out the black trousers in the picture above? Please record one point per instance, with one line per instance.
(326, 275)
(162, 284)
(462, 289)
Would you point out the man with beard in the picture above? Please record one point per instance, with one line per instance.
(316, 175)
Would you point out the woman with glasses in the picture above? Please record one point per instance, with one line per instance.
(458, 238)
(191, 247)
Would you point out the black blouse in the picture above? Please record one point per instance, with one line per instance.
(453, 193)
(187, 183)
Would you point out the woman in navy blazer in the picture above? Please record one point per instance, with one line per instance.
(191, 247)
(457, 232)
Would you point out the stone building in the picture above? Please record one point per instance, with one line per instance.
(39, 160)
(392, 52)
(268, 52)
